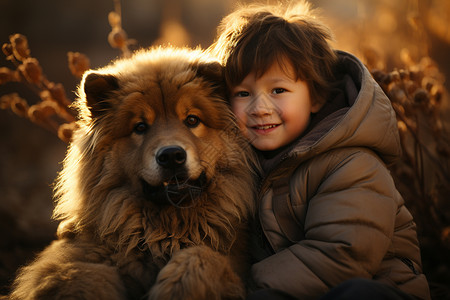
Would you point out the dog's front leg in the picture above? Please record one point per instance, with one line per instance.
(197, 273)
(62, 271)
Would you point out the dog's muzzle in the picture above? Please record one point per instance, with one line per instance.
(176, 187)
(171, 157)
(178, 191)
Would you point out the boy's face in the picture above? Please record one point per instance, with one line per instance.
(274, 109)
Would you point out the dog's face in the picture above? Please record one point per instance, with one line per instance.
(161, 126)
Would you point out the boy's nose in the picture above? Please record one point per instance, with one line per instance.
(261, 106)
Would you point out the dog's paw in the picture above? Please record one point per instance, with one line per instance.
(73, 280)
(197, 273)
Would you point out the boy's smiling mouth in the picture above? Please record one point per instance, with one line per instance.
(264, 128)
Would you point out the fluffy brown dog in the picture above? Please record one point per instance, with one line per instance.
(156, 190)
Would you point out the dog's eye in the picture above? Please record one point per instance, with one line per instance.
(140, 128)
(192, 121)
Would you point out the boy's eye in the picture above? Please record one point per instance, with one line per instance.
(242, 94)
(278, 91)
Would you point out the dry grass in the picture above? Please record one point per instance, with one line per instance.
(423, 173)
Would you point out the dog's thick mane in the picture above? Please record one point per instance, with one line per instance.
(92, 199)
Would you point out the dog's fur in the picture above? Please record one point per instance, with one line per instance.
(156, 190)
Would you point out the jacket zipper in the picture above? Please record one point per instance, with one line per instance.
(410, 264)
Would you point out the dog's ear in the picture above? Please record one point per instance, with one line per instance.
(214, 73)
(98, 88)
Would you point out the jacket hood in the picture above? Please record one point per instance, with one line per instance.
(367, 121)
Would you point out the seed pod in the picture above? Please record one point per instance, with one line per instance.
(15, 76)
(41, 112)
(388, 79)
(45, 95)
(19, 46)
(34, 113)
(377, 74)
(381, 78)
(78, 63)
(65, 131)
(421, 96)
(31, 70)
(404, 74)
(19, 106)
(48, 108)
(58, 93)
(397, 94)
(416, 74)
(395, 76)
(410, 87)
(117, 38)
(402, 127)
(7, 49)
(114, 19)
(437, 93)
(6, 75)
(7, 100)
(428, 83)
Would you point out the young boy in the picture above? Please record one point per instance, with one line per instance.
(331, 222)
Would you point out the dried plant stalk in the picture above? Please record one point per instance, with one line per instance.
(53, 112)
(118, 38)
(53, 109)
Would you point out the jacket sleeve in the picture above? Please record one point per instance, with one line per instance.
(348, 225)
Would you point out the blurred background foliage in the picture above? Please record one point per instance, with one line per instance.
(404, 43)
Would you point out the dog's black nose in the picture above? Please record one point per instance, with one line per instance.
(171, 157)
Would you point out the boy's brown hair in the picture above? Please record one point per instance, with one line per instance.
(254, 37)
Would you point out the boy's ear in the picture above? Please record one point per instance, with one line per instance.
(98, 88)
(315, 107)
(214, 73)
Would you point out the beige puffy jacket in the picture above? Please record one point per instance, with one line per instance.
(330, 209)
